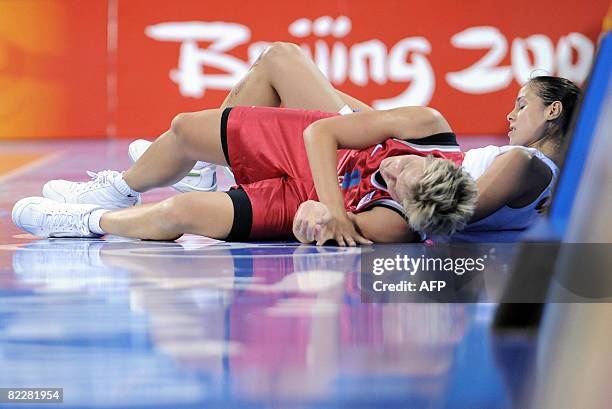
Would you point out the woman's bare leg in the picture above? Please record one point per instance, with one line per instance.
(284, 75)
(192, 136)
(353, 102)
(209, 214)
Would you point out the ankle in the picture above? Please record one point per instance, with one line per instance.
(94, 221)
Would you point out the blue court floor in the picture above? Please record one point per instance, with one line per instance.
(199, 323)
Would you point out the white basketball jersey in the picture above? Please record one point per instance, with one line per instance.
(507, 223)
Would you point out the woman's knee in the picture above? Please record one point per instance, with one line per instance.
(180, 134)
(208, 214)
(180, 124)
(190, 129)
(173, 214)
(280, 54)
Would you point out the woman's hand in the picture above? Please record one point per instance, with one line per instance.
(342, 229)
(314, 222)
(310, 219)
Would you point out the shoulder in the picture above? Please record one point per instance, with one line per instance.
(490, 150)
(520, 157)
(523, 158)
(536, 174)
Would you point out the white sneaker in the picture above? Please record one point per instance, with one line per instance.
(48, 218)
(202, 178)
(100, 191)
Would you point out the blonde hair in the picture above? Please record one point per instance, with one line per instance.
(442, 201)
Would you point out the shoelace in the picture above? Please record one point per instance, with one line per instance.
(65, 220)
(100, 179)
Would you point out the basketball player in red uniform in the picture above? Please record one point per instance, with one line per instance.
(280, 158)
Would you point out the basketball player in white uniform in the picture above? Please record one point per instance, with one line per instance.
(528, 166)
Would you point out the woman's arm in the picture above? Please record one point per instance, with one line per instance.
(357, 131)
(363, 129)
(380, 225)
(515, 178)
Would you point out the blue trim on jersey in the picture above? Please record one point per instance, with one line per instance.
(351, 179)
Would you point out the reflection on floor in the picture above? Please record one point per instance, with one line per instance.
(199, 323)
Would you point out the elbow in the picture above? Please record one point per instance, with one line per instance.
(434, 121)
(424, 120)
(309, 132)
(316, 134)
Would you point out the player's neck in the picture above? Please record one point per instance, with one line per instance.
(549, 146)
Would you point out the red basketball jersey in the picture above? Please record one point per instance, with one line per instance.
(362, 184)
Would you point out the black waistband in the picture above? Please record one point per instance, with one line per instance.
(444, 138)
(224, 118)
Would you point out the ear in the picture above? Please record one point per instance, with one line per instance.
(553, 111)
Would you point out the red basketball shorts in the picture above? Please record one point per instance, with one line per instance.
(265, 149)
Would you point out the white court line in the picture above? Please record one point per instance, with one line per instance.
(30, 166)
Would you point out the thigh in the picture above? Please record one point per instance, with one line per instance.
(298, 81)
(200, 133)
(267, 143)
(209, 214)
(274, 203)
(353, 102)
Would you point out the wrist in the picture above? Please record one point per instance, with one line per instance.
(340, 214)
(336, 210)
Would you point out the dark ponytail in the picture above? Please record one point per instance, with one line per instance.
(551, 89)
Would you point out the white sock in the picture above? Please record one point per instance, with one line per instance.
(94, 221)
(123, 187)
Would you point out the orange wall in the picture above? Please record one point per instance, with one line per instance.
(55, 68)
(52, 68)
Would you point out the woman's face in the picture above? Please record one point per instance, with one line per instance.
(527, 119)
(400, 172)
